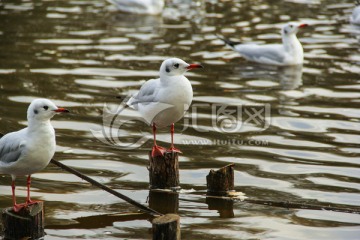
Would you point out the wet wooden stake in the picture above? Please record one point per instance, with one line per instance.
(220, 182)
(164, 171)
(166, 227)
(28, 223)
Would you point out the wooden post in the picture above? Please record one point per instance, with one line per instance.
(220, 182)
(164, 171)
(28, 223)
(166, 227)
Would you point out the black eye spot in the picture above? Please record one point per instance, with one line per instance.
(291, 26)
(36, 111)
(176, 65)
(167, 69)
(285, 31)
(46, 107)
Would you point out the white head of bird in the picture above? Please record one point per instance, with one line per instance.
(292, 28)
(175, 67)
(42, 109)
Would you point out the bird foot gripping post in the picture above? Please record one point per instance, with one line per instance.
(27, 223)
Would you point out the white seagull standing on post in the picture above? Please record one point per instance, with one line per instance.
(290, 52)
(164, 101)
(30, 149)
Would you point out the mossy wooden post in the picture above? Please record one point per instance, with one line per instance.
(164, 171)
(220, 182)
(28, 223)
(166, 227)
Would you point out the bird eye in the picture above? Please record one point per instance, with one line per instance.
(176, 65)
(46, 107)
(291, 25)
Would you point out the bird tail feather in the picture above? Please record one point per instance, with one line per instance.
(228, 41)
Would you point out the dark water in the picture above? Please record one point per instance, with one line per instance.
(82, 54)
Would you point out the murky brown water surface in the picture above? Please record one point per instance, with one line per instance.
(82, 54)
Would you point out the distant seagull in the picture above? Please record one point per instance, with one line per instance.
(164, 101)
(152, 7)
(30, 149)
(290, 52)
(355, 16)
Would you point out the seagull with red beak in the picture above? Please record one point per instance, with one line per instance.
(290, 52)
(164, 101)
(30, 149)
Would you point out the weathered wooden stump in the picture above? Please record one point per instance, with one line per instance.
(28, 223)
(220, 182)
(164, 171)
(164, 202)
(166, 227)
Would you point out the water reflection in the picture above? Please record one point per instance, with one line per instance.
(129, 21)
(225, 207)
(164, 202)
(288, 77)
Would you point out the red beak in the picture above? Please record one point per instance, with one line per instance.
(303, 25)
(191, 66)
(61, 110)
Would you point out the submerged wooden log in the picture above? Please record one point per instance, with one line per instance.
(164, 202)
(164, 171)
(28, 223)
(220, 182)
(166, 227)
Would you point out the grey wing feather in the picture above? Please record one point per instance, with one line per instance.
(146, 93)
(268, 53)
(11, 147)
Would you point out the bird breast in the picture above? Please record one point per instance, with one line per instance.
(40, 148)
(176, 97)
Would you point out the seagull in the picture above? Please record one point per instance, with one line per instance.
(151, 7)
(290, 52)
(355, 16)
(164, 101)
(30, 149)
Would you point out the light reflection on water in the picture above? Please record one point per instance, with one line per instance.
(83, 54)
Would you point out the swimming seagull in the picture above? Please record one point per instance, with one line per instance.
(30, 149)
(164, 101)
(152, 7)
(290, 52)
